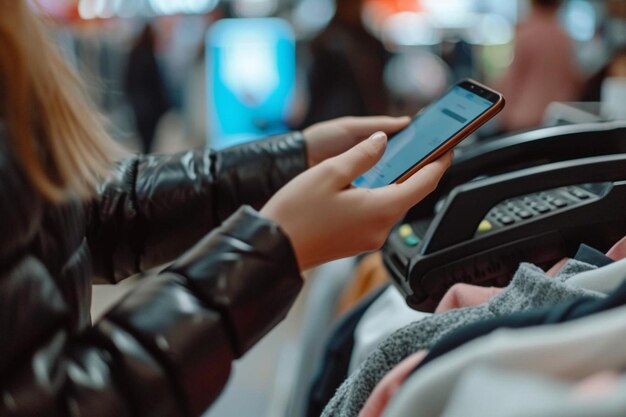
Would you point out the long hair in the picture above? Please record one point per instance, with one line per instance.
(54, 130)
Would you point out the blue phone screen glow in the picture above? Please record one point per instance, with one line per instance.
(437, 124)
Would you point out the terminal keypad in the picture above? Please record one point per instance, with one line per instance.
(511, 212)
(519, 209)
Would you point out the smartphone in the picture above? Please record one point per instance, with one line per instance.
(433, 132)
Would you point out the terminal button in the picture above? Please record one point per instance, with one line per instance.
(485, 226)
(579, 194)
(412, 241)
(405, 231)
(506, 220)
(542, 208)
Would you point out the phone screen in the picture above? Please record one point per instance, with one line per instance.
(435, 125)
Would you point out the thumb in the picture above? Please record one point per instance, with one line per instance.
(360, 158)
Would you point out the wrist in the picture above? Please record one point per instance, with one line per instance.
(296, 233)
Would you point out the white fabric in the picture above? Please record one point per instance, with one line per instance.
(325, 287)
(390, 311)
(574, 350)
(494, 392)
(386, 315)
(604, 280)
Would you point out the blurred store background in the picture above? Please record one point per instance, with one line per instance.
(178, 73)
(175, 74)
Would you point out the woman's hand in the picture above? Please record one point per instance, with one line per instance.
(327, 139)
(326, 218)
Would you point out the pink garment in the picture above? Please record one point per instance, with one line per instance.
(618, 251)
(465, 295)
(543, 70)
(387, 387)
(557, 267)
(596, 386)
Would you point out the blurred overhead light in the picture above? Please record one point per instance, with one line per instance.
(450, 13)
(508, 9)
(408, 28)
(105, 8)
(580, 20)
(491, 29)
(169, 7)
(90, 9)
(417, 74)
(254, 8)
(164, 7)
(124, 8)
(87, 9)
(311, 16)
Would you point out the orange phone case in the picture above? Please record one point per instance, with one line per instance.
(456, 139)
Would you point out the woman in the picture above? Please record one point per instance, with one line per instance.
(165, 349)
(543, 68)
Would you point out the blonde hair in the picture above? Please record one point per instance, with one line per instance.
(54, 130)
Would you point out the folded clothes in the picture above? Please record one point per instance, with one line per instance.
(529, 289)
(571, 351)
(604, 280)
(618, 251)
(551, 314)
(386, 315)
(465, 295)
(492, 392)
(388, 386)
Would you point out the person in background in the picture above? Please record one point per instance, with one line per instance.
(543, 68)
(70, 214)
(458, 54)
(346, 72)
(145, 88)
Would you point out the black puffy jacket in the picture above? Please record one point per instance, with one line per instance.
(166, 348)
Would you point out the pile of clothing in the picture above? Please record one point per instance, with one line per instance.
(552, 343)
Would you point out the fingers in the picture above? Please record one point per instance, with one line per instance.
(425, 181)
(419, 185)
(365, 126)
(358, 159)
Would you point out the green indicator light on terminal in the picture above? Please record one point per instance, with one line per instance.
(412, 241)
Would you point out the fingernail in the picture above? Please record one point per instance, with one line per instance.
(378, 137)
(378, 141)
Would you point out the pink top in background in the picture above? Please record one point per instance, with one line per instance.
(543, 70)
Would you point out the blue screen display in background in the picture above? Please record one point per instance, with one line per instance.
(438, 123)
(251, 74)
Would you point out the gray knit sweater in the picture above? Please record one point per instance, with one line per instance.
(530, 288)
